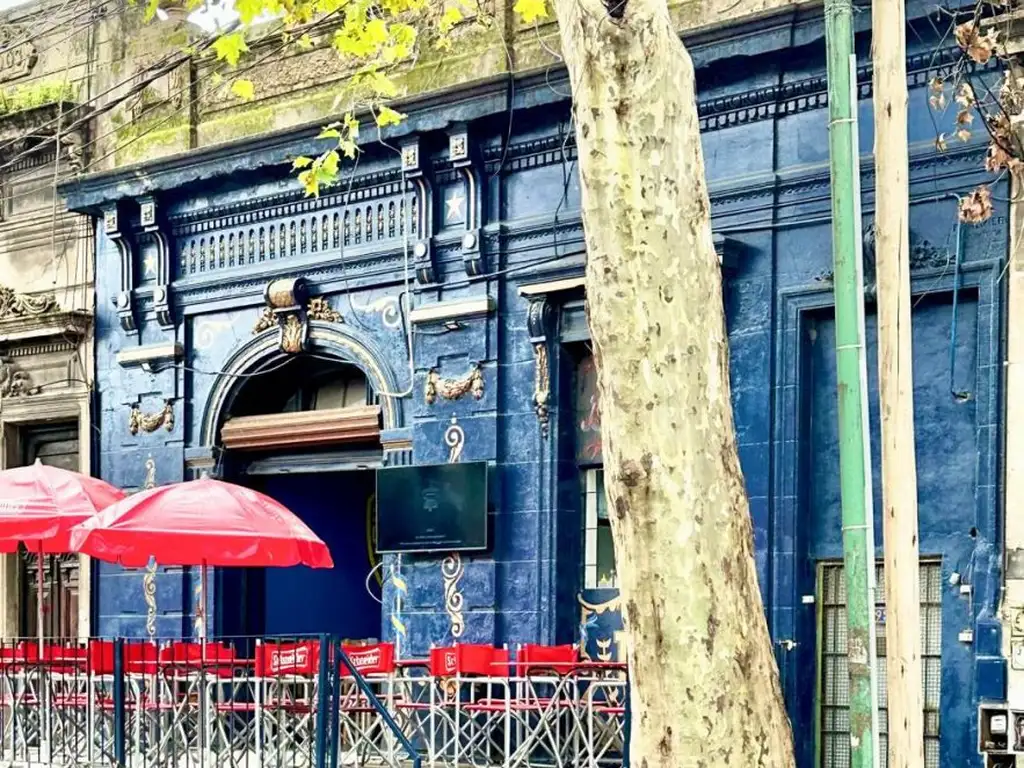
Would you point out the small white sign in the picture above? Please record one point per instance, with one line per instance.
(1017, 654)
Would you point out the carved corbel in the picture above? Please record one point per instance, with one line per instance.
(157, 267)
(114, 228)
(462, 161)
(538, 325)
(286, 301)
(422, 211)
(73, 143)
(289, 308)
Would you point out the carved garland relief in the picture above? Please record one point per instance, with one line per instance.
(454, 388)
(151, 422)
(18, 305)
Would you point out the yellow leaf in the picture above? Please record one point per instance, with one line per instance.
(381, 84)
(248, 10)
(329, 163)
(387, 116)
(348, 148)
(301, 162)
(376, 32)
(230, 48)
(243, 89)
(450, 18)
(216, 79)
(305, 42)
(531, 10)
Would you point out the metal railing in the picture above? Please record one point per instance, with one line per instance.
(302, 702)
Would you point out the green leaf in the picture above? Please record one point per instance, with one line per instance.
(329, 164)
(230, 48)
(450, 18)
(243, 89)
(387, 116)
(329, 133)
(305, 42)
(151, 8)
(301, 162)
(531, 10)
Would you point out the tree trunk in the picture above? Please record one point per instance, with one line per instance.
(705, 687)
(896, 388)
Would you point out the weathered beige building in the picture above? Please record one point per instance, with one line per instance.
(47, 56)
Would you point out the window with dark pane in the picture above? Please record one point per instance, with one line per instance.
(598, 550)
(834, 703)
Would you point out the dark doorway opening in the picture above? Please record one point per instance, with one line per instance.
(308, 436)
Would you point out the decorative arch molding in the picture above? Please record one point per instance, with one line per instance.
(328, 339)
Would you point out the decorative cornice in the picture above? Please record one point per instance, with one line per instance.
(249, 210)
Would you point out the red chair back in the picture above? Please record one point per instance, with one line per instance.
(534, 659)
(469, 660)
(376, 659)
(140, 658)
(20, 655)
(283, 659)
(101, 657)
(189, 655)
(66, 659)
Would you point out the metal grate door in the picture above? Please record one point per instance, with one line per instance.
(834, 701)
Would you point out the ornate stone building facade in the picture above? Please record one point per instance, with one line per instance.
(47, 56)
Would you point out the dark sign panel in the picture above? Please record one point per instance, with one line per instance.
(435, 508)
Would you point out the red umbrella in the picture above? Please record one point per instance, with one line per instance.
(40, 504)
(201, 522)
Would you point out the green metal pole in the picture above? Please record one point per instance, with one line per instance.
(851, 368)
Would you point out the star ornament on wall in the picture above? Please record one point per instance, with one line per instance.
(149, 265)
(454, 202)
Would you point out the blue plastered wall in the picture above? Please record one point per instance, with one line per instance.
(763, 115)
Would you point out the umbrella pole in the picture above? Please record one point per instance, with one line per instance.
(204, 735)
(40, 589)
(43, 688)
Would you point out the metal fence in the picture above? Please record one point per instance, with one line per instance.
(311, 702)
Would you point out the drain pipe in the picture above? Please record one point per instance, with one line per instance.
(851, 369)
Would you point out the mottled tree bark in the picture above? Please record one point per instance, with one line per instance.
(705, 685)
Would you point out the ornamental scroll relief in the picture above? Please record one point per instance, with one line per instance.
(151, 422)
(149, 578)
(18, 305)
(452, 567)
(453, 389)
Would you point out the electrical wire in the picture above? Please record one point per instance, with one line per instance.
(252, 64)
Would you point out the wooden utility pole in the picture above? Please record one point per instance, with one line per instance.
(896, 387)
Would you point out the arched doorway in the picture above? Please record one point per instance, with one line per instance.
(307, 434)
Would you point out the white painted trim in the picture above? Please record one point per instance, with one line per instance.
(451, 310)
(552, 286)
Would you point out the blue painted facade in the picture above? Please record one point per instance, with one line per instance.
(507, 217)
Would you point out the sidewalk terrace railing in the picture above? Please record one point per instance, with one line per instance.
(306, 703)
